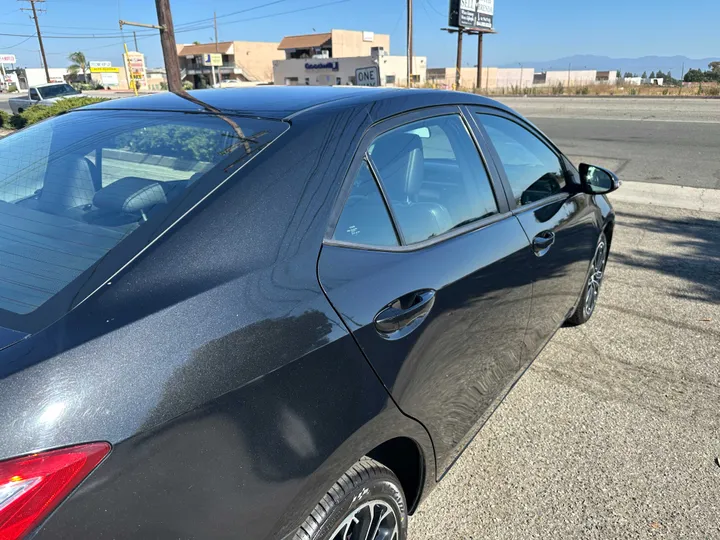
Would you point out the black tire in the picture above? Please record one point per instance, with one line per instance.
(586, 306)
(364, 483)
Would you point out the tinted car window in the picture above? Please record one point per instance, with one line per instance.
(62, 209)
(365, 219)
(433, 176)
(533, 170)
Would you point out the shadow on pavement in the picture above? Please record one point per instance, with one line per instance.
(692, 253)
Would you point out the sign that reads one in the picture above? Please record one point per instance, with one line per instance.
(472, 13)
(214, 59)
(367, 76)
(7, 59)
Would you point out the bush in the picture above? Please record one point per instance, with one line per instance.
(187, 85)
(713, 91)
(38, 113)
(4, 120)
(12, 88)
(164, 86)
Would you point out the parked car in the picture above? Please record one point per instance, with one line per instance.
(275, 312)
(44, 94)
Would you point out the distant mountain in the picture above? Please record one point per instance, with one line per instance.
(634, 65)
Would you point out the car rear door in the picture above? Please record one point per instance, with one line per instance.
(430, 271)
(559, 220)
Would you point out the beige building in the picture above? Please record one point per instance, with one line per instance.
(242, 62)
(336, 57)
(492, 77)
(334, 44)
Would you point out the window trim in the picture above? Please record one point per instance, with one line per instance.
(388, 124)
(477, 110)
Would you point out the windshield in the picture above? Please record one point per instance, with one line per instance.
(73, 187)
(57, 90)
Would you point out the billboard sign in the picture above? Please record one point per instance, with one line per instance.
(213, 59)
(472, 13)
(7, 59)
(103, 64)
(367, 76)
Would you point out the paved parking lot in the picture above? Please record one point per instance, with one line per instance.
(613, 431)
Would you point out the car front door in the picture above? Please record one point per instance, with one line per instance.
(559, 221)
(428, 268)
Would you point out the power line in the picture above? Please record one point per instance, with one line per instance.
(19, 43)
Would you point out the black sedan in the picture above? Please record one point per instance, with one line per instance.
(273, 312)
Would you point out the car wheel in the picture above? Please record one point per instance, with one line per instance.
(590, 293)
(367, 502)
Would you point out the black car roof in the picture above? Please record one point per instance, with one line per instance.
(283, 101)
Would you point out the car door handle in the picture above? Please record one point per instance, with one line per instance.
(543, 242)
(405, 314)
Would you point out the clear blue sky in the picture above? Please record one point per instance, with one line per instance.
(528, 29)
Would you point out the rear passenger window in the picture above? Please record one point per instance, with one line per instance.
(533, 170)
(364, 219)
(433, 177)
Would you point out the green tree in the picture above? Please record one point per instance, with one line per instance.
(79, 63)
(644, 75)
(619, 74)
(714, 67)
(652, 74)
(628, 75)
(694, 75)
(659, 75)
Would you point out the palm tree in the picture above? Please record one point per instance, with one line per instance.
(79, 63)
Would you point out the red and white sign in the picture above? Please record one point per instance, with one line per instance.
(7, 59)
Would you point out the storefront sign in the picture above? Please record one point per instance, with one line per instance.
(367, 76)
(104, 69)
(335, 66)
(101, 64)
(212, 59)
(7, 59)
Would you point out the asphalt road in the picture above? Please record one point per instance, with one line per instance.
(613, 431)
(663, 141)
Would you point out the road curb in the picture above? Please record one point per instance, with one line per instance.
(688, 198)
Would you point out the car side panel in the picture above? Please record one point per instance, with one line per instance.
(451, 371)
(249, 464)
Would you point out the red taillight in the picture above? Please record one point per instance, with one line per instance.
(31, 486)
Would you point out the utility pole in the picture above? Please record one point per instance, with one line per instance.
(39, 35)
(137, 49)
(458, 60)
(167, 40)
(217, 49)
(409, 43)
(478, 82)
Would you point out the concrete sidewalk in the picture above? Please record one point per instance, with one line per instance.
(687, 198)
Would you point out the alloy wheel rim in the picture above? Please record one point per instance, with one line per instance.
(597, 270)
(374, 520)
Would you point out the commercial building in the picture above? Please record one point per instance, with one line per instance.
(520, 77)
(242, 62)
(335, 57)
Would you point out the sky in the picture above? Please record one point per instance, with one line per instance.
(527, 29)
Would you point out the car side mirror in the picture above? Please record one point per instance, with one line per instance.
(596, 180)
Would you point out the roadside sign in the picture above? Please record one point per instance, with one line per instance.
(102, 64)
(107, 69)
(213, 59)
(367, 76)
(7, 59)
